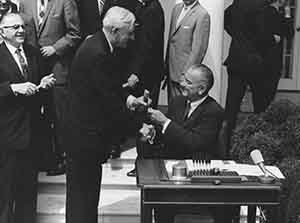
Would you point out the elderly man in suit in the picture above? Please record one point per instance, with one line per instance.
(193, 119)
(97, 112)
(58, 34)
(20, 126)
(187, 43)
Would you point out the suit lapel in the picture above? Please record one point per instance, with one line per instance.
(12, 63)
(198, 111)
(177, 12)
(29, 59)
(189, 14)
(48, 9)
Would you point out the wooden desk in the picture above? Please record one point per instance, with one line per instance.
(155, 192)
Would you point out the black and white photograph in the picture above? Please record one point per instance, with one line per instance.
(149, 111)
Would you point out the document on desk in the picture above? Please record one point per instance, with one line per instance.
(241, 169)
(252, 170)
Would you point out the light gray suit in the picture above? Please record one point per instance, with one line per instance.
(187, 42)
(60, 29)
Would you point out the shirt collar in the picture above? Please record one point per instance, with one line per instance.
(13, 49)
(142, 2)
(109, 43)
(190, 6)
(196, 103)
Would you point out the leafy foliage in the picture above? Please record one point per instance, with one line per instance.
(276, 133)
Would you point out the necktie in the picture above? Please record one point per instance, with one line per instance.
(22, 63)
(187, 110)
(42, 11)
(100, 6)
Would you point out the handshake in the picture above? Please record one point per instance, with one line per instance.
(140, 104)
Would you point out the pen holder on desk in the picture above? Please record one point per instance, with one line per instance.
(179, 171)
(265, 179)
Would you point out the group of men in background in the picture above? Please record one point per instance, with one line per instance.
(83, 93)
(82, 69)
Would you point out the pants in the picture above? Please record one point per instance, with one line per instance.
(18, 187)
(263, 92)
(56, 112)
(84, 173)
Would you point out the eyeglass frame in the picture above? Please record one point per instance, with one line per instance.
(14, 27)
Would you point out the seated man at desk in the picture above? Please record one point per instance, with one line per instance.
(190, 129)
(192, 123)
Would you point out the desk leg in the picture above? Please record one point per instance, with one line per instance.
(251, 217)
(146, 211)
(275, 215)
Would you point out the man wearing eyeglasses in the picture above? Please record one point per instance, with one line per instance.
(20, 114)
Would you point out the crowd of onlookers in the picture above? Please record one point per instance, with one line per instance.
(77, 77)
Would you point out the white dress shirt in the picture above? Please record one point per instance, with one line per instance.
(13, 50)
(183, 12)
(194, 105)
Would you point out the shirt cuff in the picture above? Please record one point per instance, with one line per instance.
(12, 89)
(129, 101)
(165, 126)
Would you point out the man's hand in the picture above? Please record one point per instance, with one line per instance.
(47, 81)
(148, 133)
(47, 51)
(132, 81)
(26, 88)
(157, 116)
(277, 38)
(137, 104)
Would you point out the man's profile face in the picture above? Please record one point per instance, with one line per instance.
(124, 35)
(192, 82)
(188, 2)
(13, 30)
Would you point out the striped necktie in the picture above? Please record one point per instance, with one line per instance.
(187, 110)
(23, 63)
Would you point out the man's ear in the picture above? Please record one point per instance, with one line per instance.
(202, 89)
(114, 30)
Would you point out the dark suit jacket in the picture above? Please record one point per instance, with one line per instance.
(97, 102)
(19, 115)
(257, 27)
(184, 139)
(196, 134)
(90, 21)
(60, 29)
(148, 48)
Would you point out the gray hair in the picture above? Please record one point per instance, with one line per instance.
(118, 17)
(206, 73)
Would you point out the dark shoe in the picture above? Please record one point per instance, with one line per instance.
(115, 152)
(59, 170)
(132, 173)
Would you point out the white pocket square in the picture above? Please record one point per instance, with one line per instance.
(186, 27)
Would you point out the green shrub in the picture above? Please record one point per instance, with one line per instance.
(276, 133)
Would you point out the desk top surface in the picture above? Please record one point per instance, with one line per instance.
(149, 174)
